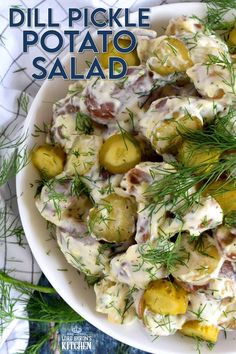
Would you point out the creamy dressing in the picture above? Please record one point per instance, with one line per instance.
(205, 309)
(83, 253)
(213, 81)
(162, 325)
(203, 263)
(114, 299)
(129, 268)
(143, 104)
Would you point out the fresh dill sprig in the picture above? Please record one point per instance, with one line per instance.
(79, 187)
(83, 123)
(37, 347)
(122, 348)
(40, 308)
(54, 196)
(126, 136)
(178, 186)
(10, 225)
(200, 343)
(12, 164)
(216, 11)
(7, 143)
(218, 136)
(181, 187)
(230, 219)
(24, 286)
(14, 155)
(166, 253)
(23, 102)
(92, 279)
(223, 60)
(44, 130)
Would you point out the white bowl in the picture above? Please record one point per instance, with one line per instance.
(69, 284)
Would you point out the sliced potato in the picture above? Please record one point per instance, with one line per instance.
(165, 298)
(197, 329)
(201, 158)
(119, 153)
(165, 136)
(170, 56)
(113, 219)
(203, 260)
(225, 194)
(130, 58)
(49, 159)
(83, 155)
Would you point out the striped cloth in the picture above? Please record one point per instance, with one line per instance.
(17, 90)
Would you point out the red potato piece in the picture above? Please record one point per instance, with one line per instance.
(228, 271)
(137, 176)
(101, 113)
(191, 288)
(226, 240)
(105, 100)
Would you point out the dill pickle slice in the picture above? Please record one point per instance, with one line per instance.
(165, 135)
(49, 159)
(165, 298)
(225, 194)
(232, 36)
(130, 58)
(119, 153)
(202, 159)
(170, 56)
(113, 218)
(197, 329)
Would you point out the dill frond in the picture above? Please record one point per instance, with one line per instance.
(218, 136)
(44, 306)
(79, 187)
(179, 187)
(43, 339)
(223, 60)
(42, 309)
(10, 225)
(216, 11)
(83, 123)
(166, 253)
(24, 286)
(12, 164)
(230, 219)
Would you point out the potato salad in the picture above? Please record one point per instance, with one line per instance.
(139, 179)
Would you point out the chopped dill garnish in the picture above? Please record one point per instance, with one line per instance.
(91, 279)
(44, 130)
(166, 253)
(230, 219)
(179, 187)
(216, 11)
(218, 136)
(79, 187)
(83, 123)
(126, 136)
(223, 60)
